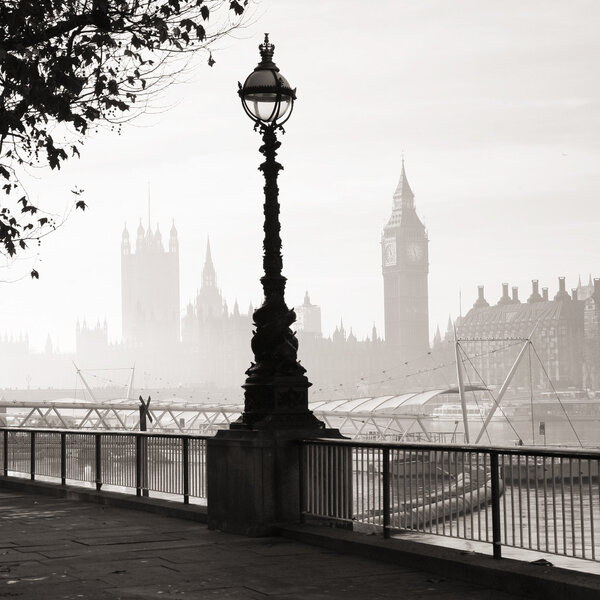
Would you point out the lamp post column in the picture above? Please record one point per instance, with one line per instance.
(276, 389)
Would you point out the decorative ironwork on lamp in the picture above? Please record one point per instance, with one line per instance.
(266, 95)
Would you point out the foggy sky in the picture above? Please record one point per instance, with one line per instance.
(494, 104)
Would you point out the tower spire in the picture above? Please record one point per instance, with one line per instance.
(403, 196)
(403, 205)
(209, 277)
(208, 259)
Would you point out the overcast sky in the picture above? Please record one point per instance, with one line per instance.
(494, 104)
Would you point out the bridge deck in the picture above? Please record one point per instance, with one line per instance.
(57, 548)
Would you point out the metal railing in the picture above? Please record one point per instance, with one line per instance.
(546, 500)
(144, 463)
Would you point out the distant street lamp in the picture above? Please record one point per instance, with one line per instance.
(276, 388)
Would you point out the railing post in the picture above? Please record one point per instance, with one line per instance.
(98, 461)
(301, 484)
(32, 454)
(145, 466)
(138, 465)
(496, 529)
(186, 470)
(386, 492)
(63, 458)
(5, 453)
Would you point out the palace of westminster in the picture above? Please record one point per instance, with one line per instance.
(208, 347)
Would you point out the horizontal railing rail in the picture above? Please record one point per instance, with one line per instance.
(140, 462)
(543, 499)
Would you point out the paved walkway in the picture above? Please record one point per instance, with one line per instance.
(59, 549)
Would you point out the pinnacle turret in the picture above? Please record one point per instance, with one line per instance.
(173, 239)
(209, 276)
(125, 244)
(449, 335)
(158, 238)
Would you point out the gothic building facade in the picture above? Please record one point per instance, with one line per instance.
(215, 339)
(150, 288)
(210, 344)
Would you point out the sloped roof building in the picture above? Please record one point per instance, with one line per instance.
(493, 335)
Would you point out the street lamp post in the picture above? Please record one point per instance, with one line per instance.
(276, 389)
(254, 467)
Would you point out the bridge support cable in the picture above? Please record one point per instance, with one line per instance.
(557, 396)
(531, 396)
(505, 385)
(471, 386)
(461, 386)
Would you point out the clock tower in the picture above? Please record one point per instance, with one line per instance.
(405, 265)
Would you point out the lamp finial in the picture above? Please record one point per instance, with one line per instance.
(266, 50)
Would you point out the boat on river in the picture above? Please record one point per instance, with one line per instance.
(470, 492)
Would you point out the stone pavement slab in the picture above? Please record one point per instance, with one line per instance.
(59, 549)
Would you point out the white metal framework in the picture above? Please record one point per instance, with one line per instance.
(397, 417)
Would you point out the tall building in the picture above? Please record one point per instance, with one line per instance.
(405, 265)
(150, 288)
(308, 318)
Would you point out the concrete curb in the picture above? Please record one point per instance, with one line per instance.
(166, 508)
(512, 576)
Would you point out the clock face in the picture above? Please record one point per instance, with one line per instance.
(389, 253)
(414, 251)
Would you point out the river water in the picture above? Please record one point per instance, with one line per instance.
(576, 432)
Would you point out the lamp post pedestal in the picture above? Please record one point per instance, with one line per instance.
(281, 403)
(254, 478)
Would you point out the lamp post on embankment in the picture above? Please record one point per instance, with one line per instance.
(253, 467)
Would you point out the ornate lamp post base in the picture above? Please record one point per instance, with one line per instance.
(280, 403)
